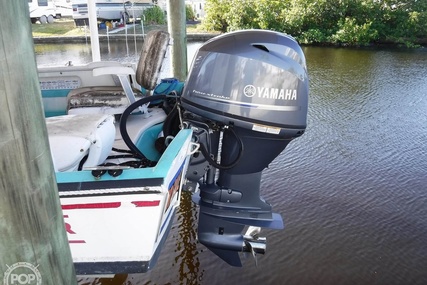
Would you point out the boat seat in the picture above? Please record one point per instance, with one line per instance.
(73, 137)
(102, 100)
(115, 99)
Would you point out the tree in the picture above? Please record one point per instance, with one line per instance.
(154, 16)
(348, 22)
(189, 13)
(214, 19)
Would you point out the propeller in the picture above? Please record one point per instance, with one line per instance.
(253, 243)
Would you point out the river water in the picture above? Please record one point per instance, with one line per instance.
(352, 190)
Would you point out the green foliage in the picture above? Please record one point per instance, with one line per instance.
(241, 16)
(214, 18)
(344, 22)
(189, 13)
(313, 36)
(351, 33)
(154, 16)
(271, 14)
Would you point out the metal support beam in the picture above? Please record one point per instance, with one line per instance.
(34, 247)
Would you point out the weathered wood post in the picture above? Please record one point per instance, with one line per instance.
(33, 243)
(177, 30)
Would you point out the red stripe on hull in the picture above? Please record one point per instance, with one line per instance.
(92, 206)
(146, 203)
(110, 205)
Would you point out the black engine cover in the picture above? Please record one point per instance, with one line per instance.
(254, 79)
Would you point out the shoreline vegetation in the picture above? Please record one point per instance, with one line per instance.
(64, 30)
(326, 22)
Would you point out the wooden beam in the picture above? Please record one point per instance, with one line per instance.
(177, 30)
(33, 240)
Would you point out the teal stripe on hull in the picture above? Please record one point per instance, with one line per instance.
(159, 171)
(55, 93)
(54, 113)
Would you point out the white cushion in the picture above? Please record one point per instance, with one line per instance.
(71, 137)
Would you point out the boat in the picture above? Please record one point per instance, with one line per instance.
(44, 11)
(118, 205)
(124, 147)
(110, 10)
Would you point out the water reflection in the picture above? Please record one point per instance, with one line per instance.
(80, 53)
(181, 244)
(118, 279)
(186, 252)
(57, 55)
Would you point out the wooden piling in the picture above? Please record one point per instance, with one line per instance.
(33, 243)
(177, 30)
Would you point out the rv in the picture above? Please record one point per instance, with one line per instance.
(110, 10)
(43, 11)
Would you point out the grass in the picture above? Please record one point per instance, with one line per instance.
(61, 27)
(66, 27)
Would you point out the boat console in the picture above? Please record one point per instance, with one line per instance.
(246, 98)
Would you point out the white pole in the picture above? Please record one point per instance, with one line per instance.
(142, 25)
(93, 27)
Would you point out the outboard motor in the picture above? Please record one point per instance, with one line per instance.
(246, 98)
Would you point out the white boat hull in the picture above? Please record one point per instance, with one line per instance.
(120, 225)
(115, 223)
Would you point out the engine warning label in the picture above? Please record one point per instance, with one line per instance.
(266, 129)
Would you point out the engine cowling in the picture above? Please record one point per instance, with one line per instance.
(254, 79)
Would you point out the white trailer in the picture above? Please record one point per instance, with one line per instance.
(110, 10)
(44, 11)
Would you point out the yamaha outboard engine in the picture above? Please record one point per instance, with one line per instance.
(245, 98)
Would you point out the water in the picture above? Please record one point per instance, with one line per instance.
(352, 190)
(78, 53)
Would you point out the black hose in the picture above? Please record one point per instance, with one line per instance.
(132, 146)
(121, 150)
(125, 115)
(170, 125)
(228, 166)
(80, 167)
